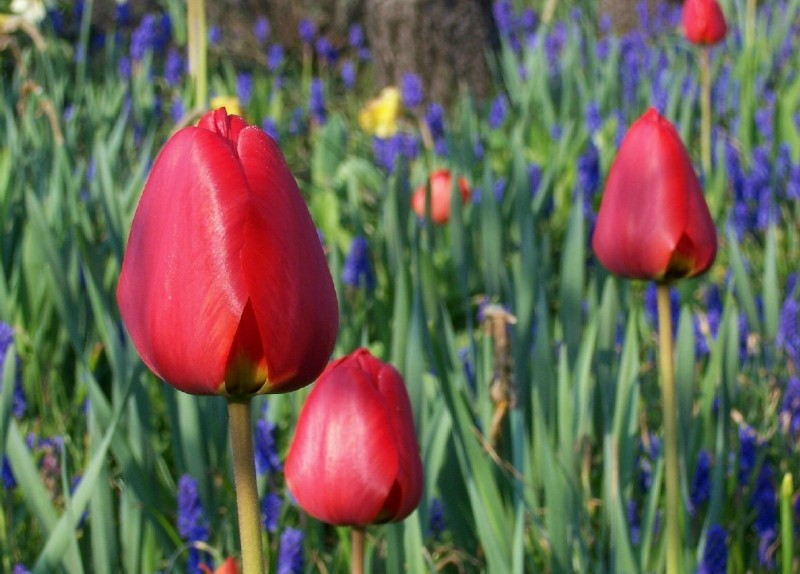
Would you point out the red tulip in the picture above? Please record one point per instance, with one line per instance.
(227, 567)
(654, 222)
(441, 191)
(224, 287)
(354, 459)
(703, 21)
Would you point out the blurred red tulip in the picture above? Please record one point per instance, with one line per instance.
(224, 287)
(654, 222)
(227, 567)
(703, 21)
(354, 459)
(441, 192)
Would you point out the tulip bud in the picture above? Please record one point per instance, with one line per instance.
(653, 221)
(703, 21)
(441, 191)
(354, 459)
(224, 286)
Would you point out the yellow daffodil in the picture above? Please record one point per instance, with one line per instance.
(379, 116)
(230, 103)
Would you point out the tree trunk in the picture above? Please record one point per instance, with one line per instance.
(624, 13)
(444, 42)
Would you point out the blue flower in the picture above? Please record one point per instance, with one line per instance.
(436, 519)
(20, 569)
(143, 37)
(386, 151)
(316, 102)
(747, 454)
(173, 68)
(274, 57)
(790, 407)
(6, 475)
(326, 51)
(434, 118)
(594, 120)
(261, 29)
(411, 90)
(355, 36)
(700, 490)
(177, 109)
(498, 112)
(271, 511)
(357, 270)
(765, 525)
(266, 452)
(270, 127)
(244, 88)
(214, 35)
(788, 337)
(503, 13)
(307, 31)
(290, 554)
(469, 371)
(191, 522)
(715, 552)
(348, 74)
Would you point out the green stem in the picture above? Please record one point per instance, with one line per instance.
(787, 526)
(244, 475)
(672, 463)
(198, 40)
(750, 23)
(705, 111)
(357, 551)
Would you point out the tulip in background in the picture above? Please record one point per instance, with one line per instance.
(441, 186)
(354, 459)
(224, 286)
(654, 224)
(704, 25)
(703, 22)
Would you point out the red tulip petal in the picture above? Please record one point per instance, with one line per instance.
(287, 276)
(407, 492)
(700, 229)
(181, 290)
(343, 461)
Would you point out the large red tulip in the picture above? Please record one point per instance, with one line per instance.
(703, 21)
(354, 459)
(224, 287)
(654, 222)
(441, 183)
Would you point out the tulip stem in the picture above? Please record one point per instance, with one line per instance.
(357, 551)
(198, 58)
(244, 476)
(705, 111)
(672, 463)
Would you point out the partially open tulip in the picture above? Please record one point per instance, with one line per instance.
(654, 222)
(703, 21)
(354, 459)
(227, 567)
(441, 183)
(224, 286)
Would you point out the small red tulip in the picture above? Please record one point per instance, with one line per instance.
(354, 459)
(654, 222)
(703, 21)
(224, 287)
(441, 191)
(227, 567)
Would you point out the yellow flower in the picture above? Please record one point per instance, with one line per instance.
(230, 103)
(379, 116)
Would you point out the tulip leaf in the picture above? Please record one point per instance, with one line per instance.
(771, 290)
(573, 271)
(63, 533)
(744, 289)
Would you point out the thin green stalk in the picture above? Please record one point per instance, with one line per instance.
(672, 463)
(705, 111)
(787, 526)
(357, 551)
(750, 23)
(244, 475)
(198, 40)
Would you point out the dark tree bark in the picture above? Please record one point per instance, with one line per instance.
(444, 42)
